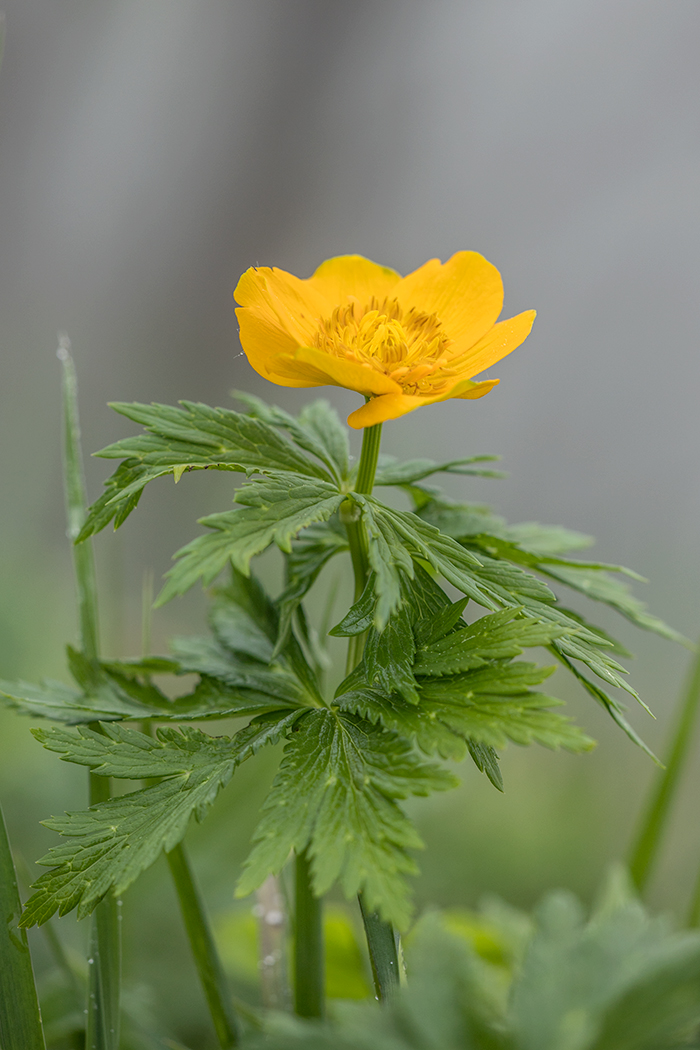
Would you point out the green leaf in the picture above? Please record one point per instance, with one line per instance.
(107, 691)
(193, 437)
(360, 616)
(602, 587)
(388, 656)
(614, 708)
(546, 540)
(620, 980)
(486, 707)
(395, 538)
(335, 796)
(274, 511)
(499, 636)
(110, 844)
(204, 656)
(310, 553)
(321, 420)
(317, 430)
(391, 472)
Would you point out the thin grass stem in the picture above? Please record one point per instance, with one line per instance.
(104, 963)
(655, 818)
(20, 1019)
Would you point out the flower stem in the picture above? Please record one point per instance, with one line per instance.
(381, 938)
(204, 950)
(653, 824)
(309, 975)
(104, 970)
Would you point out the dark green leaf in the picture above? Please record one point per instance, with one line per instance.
(274, 511)
(110, 844)
(193, 437)
(499, 636)
(335, 795)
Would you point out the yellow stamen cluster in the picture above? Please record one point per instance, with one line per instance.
(408, 346)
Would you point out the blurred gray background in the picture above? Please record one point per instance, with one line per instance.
(151, 150)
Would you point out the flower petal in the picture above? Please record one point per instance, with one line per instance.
(297, 306)
(353, 275)
(343, 372)
(503, 338)
(466, 294)
(380, 409)
(270, 350)
(392, 406)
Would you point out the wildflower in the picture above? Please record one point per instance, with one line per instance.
(403, 342)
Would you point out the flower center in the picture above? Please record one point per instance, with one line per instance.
(408, 346)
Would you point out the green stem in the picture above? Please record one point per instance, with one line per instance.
(309, 973)
(104, 967)
(382, 943)
(653, 824)
(20, 1020)
(204, 950)
(381, 938)
(104, 960)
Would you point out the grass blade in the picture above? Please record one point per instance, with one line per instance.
(104, 964)
(20, 1020)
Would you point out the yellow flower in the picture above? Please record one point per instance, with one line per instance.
(403, 342)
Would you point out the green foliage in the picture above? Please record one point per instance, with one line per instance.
(275, 510)
(193, 437)
(619, 981)
(335, 796)
(428, 682)
(111, 843)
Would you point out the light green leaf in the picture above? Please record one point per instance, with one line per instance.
(335, 795)
(391, 472)
(602, 587)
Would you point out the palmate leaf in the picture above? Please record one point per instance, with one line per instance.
(110, 844)
(192, 437)
(335, 795)
(395, 539)
(273, 511)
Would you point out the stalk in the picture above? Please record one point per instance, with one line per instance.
(381, 937)
(104, 963)
(201, 939)
(309, 974)
(270, 911)
(204, 950)
(20, 1019)
(653, 824)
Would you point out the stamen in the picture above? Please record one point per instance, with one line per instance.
(411, 348)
